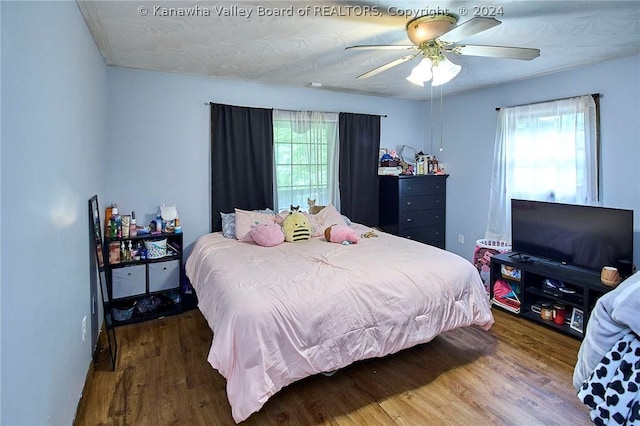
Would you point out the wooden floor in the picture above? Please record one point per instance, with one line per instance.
(518, 373)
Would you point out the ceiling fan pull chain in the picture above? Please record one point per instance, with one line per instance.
(431, 120)
(441, 120)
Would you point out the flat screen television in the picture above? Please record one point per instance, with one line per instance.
(584, 236)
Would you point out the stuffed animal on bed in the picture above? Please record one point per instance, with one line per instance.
(296, 227)
(341, 234)
(267, 234)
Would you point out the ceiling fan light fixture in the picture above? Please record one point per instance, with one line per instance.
(445, 71)
(421, 73)
(429, 27)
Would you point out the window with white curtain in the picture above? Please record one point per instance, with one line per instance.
(545, 152)
(306, 158)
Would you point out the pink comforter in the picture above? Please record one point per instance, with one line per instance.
(283, 313)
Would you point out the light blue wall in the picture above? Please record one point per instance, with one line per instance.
(159, 135)
(470, 126)
(71, 128)
(54, 88)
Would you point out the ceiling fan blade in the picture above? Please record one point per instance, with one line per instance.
(523, 53)
(386, 66)
(467, 29)
(381, 47)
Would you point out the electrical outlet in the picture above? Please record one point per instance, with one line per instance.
(460, 239)
(84, 328)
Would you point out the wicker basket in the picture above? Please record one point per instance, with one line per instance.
(610, 276)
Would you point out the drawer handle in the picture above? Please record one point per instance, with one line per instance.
(409, 188)
(129, 273)
(409, 220)
(437, 201)
(408, 203)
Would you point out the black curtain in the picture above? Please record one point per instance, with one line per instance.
(241, 160)
(358, 170)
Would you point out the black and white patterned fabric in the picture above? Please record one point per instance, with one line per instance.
(611, 391)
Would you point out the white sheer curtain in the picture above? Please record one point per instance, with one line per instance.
(543, 152)
(306, 158)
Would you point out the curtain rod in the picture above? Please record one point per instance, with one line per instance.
(332, 112)
(594, 95)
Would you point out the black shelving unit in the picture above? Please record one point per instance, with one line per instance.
(531, 289)
(146, 288)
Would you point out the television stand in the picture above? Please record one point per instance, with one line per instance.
(522, 258)
(540, 284)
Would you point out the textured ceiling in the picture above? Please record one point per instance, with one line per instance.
(239, 40)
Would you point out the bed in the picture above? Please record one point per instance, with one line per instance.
(279, 314)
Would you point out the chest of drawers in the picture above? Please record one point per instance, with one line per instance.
(414, 207)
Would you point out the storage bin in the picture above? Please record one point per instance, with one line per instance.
(164, 275)
(122, 311)
(129, 281)
(156, 248)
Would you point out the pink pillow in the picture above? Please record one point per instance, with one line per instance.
(247, 220)
(267, 234)
(327, 217)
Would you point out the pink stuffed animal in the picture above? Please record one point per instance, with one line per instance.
(340, 234)
(267, 234)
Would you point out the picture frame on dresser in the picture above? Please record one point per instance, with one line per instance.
(577, 320)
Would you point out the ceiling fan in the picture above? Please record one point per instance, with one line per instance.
(433, 36)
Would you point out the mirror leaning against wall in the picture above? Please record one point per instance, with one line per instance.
(97, 246)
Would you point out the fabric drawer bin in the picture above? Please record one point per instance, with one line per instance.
(164, 275)
(129, 281)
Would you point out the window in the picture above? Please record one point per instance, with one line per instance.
(543, 152)
(305, 156)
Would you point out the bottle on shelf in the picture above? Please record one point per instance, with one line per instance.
(133, 228)
(116, 223)
(107, 220)
(130, 254)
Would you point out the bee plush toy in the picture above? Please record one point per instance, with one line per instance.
(296, 228)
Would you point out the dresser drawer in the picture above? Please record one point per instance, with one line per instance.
(164, 275)
(422, 202)
(432, 235)
(422, 186)
(128, 281)
(421, 218)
